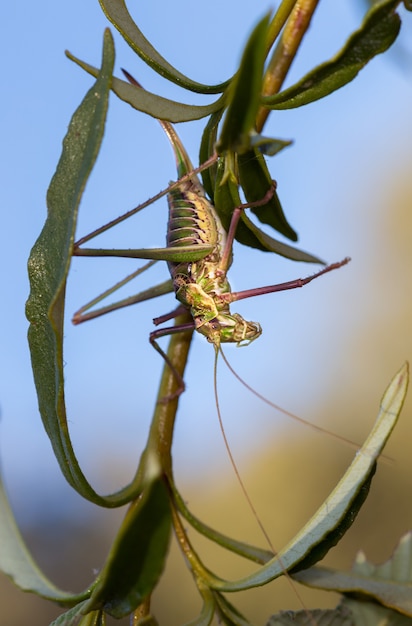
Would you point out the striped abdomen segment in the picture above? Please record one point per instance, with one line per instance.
(191, 218)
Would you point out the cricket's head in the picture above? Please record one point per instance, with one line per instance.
(228, 328)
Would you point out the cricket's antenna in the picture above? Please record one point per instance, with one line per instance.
(232, 460)
(348, 442)
(293, 416)
(218, 349)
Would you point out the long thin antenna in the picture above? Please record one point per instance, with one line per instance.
(301, 420)
(245, 492)
(232, 460)
(324, 431)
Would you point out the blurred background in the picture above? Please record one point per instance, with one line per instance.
(327, 351)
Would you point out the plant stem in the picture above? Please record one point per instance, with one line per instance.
(161, 429)
(279, 20)
(285, 51)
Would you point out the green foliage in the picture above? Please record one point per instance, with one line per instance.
(117, 13)
(377, 33)
(243, 95)
(234, 152)
(385, 589)
(138, 554)
(49, 264)
(17, 562)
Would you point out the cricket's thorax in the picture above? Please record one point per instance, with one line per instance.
(201, 285)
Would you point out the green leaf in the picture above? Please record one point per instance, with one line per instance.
(116, 11)
(228, 614)
(226, 199)
(269, 146)
(333, 537)
(208, 608)
(150, 103)
(138, 554)
(371, 614)
(207, 149)
(330, 617)
(75, 617)
(17, 563)
(255, 180)
(390, 583)
(336, 507)
(48, 266)
(244, 93)
(147, 620)
(377, 33)
(258, 555)
(96, 618)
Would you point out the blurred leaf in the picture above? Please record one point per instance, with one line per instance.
(116, 11)
(147, 102)
(49, 264)
(208, 609)
(137, 556)
(75, 617)
(207, 149)
(228, 614)
(371, 614)
(329, 617)
(338, 505)
(96, 618)
(269, 146)
(147, 620)
(17, 563)
(377, 33)
(390, 583)
(244, 93)
(255, 180)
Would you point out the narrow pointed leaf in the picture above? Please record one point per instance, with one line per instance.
(228, 614)
(244, 93)
(373, 614)
(17, 563)
(97, 618)
(377, 33)
(207, 149)
(147, 620)
(74, 617)
(49, 264)
(208, 610)
(329, 617)
(338, 505)
(269, 146)
(258, 555)
(116, 11)
(390, 583)
(226, 199)
(150, 103)
(255, 180)
(138, 554)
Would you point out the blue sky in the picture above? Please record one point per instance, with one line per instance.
(327, 182)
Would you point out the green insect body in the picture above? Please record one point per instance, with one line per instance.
(201, 285)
